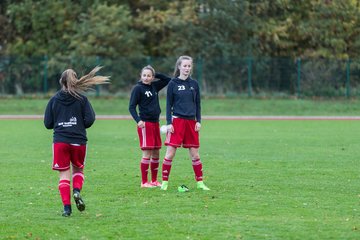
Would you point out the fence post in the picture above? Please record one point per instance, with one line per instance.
(148, 60)
(8, 75)
(348, 77)
(199, 71)
(45, 79)
(249, 76)
(97, 88)
(298, 92)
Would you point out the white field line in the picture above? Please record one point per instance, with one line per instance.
(125, 117)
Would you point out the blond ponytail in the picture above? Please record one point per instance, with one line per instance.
(74, 86)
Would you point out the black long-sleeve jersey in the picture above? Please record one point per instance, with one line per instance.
(146, 98)
(183, 100)
(69, 117)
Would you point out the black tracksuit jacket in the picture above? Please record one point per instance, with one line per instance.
(69, 117)
(183, 100)
(146, 98)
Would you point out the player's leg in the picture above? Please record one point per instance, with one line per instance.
(146, 145)
(64, 189)
(196, 163)
(191, 141)
(155, 154)
(78, 157)
(144, 168)
(173, 141)
(166, 166)
(61, 163)
(77, 178)
(154, 166)
(197, 167)
(78, 181)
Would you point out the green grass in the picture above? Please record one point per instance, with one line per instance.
(268, 180)
(227, 106)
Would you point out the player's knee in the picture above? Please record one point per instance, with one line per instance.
(155, 154)
(147, 153)
(170, 155)
(170, 152)
(195, 156)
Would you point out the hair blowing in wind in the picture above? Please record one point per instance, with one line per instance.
(74, 86)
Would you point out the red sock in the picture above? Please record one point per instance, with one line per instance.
(144, 167)
(64, 189)
(78, 180)
(197, 166)
(154, 166)
(166, 167)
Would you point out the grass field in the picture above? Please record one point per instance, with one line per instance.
(269, 179)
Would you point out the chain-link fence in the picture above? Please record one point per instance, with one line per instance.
(232, 76)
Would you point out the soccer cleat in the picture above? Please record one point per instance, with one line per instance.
(201, 185)
(79, 202)
(156, 184)
(183, 188)
(147, 185)
(164, 185)
(67, 211)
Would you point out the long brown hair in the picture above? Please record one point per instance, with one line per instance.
(178, 63)
(74, 86)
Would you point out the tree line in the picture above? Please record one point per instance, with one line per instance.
(213, 28)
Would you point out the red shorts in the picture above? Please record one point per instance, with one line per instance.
(65, 153)
(149, 136)
(184, 134)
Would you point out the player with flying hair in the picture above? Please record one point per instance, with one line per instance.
(145, 96)
(183, 116)
(69, 113)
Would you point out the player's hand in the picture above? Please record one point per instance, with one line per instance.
(170, 128)
(141, 124)
(197, 126)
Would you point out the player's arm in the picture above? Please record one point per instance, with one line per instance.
(48, 116)
(134, 100)
(89, 114)
(198, 104)
(169, 107)
(198, 109)
(162, 82)
(169, 103)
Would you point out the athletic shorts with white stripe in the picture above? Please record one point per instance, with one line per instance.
(149, 136)
(184, 134)
(66, 153)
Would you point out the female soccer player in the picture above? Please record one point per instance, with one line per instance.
(145, 96)
(183, 116)
(69, 113)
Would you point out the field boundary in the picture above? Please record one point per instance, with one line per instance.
(126, 117)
